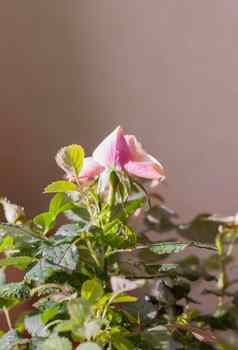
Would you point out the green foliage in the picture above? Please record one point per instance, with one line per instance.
(89, 346)
(21, 262)
(60, 186)
(9, 340)
(17, 290)
(70, 159)
(99, 284)
(56, 342)
(6, 243)
(92, 290)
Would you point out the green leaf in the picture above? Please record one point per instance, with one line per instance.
(9, 340)
(92, 290)
(201, 226)
(124, 299)
(176, 247)
(79, 310)
(89, 346)
(20, 262)
(169, 247)
(70, 159)
(141, 309)
(122, 211)
(59, 203)
(18, 290)
(45, 220)
(64, 255)
(121, 343)
(60, 186)
(2, 277)
(35, 326)
(41, 271)
(78, 214)
(24, 239)
(64, 326)
(160, 218)
(6, 243)
(89, 330)
(56, 342)
(50, 313)
(69, 230)
(167, 267)
(157, 338)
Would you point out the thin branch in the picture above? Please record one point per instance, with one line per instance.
(7, 316)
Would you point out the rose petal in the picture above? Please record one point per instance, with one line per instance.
(137, 152)
(90, 169)
(147, 170)
(113, 151)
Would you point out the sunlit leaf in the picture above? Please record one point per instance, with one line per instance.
(92, 290)
(59, 203)
(60, 186)
(70, 159)
(89, 346)
(20, 262)
(56, 342)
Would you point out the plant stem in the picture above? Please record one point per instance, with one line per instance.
(7, 316)
(48, 285)
(93, 254)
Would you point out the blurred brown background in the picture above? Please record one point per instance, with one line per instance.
(70, 71)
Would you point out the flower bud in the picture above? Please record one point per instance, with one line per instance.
(12, 212)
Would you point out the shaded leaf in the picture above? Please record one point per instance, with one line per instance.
(41, 271)
(201, 226)
(160, 218)
(24, 238)
(121, 343)
(63, 255)
(69, 230)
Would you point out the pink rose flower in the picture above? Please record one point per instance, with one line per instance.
(122, 152)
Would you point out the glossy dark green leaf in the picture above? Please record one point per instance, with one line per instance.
(64, 255)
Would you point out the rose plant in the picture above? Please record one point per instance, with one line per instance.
(93, 282)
